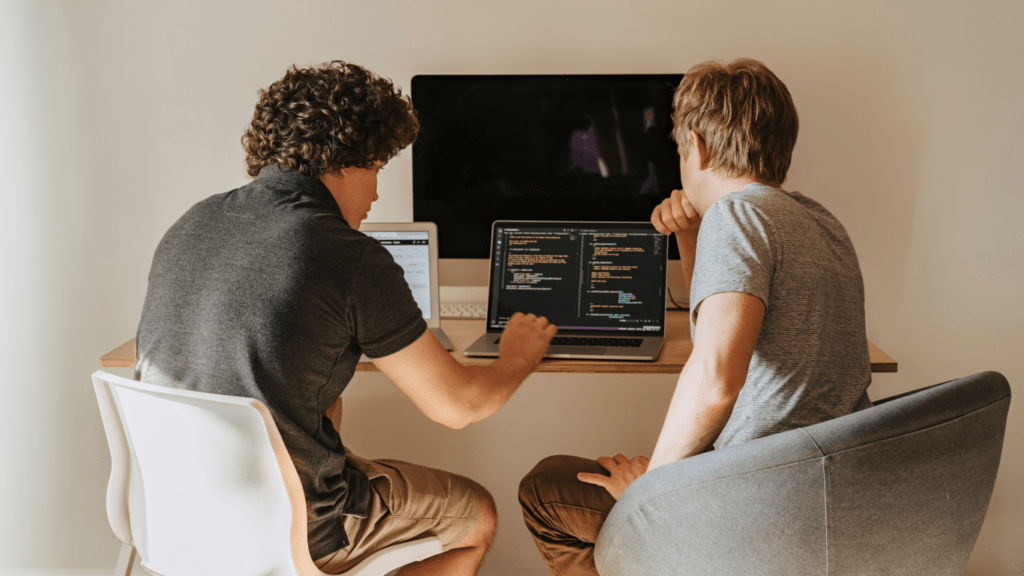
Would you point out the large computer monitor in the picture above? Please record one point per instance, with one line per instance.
(537, 147)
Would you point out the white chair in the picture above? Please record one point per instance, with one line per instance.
(202, 484)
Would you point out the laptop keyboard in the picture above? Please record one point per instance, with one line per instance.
(593, 341)
(596, 341)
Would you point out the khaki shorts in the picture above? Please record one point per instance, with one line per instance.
(406, 502)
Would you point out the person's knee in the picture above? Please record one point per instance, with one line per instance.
(486, 521)
(548, 473)
(528, 486)
(488, 518)
(557, 506)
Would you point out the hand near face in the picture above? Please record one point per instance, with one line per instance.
(675, 214)
(622, 472)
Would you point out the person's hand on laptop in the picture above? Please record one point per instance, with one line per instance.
(526, 338)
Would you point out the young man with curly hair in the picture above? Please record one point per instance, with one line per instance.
(270, 291)
(776, 297)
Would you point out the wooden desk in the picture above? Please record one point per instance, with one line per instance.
(673, 355)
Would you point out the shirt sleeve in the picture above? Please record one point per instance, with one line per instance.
(385, 313)
(735, 253)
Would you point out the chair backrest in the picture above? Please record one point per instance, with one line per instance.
(189, 468)
(900, 488)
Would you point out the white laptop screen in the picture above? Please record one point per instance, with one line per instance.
(607, 277)
(411, 250)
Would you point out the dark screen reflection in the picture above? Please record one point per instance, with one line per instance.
(595, 148)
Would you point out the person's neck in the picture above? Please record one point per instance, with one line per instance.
(715, 187)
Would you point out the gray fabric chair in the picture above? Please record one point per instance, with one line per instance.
(900, 488)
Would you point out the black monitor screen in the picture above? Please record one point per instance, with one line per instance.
(544, 147)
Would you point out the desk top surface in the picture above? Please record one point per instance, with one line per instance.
(462, 332)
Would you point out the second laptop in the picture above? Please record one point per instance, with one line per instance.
(601, 283)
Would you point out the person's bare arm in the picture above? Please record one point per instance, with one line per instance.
(727, 329)
(455, 395)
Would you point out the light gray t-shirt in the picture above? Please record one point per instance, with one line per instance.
(811, 362)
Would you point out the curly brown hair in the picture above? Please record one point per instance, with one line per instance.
(324, 118)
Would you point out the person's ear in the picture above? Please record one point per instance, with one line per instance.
(697, 147)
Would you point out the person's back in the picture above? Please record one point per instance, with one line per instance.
(256, 293)
(232, 277)
(810, 362)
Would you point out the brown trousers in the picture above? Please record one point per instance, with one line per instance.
(407, 501)
(563, 514)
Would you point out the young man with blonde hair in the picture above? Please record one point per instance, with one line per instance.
(776, 296)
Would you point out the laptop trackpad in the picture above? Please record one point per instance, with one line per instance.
(576, 350)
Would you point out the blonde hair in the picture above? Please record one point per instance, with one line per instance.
(743, 114)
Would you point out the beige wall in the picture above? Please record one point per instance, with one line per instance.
(115, 117)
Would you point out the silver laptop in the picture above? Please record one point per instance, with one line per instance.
(601, 283)
(413, 245)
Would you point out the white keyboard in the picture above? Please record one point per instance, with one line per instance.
(464, 310)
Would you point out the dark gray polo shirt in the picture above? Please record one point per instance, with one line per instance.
(266, 292)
